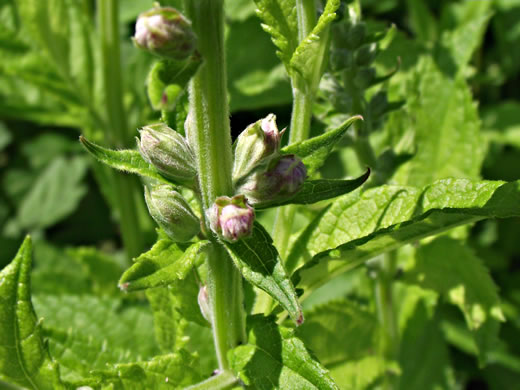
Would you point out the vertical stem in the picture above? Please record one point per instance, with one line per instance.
(301, 116)
(125, 186)
(209, 135)
(300, 122)
(386, 311)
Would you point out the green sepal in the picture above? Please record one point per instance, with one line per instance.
(314, 151)
(261, 265)
(168, 79)
(24, 355)
(128, 160)
(317, 190)
(164, 264)
(275, 358)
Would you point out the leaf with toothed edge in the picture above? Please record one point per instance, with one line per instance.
(388, 217)
(127, 160)
(260, 264)
(314, 151)
(274, 358)
(164, 264)
(24, 357)
(307, 59)
(279, 19)
(317, 190)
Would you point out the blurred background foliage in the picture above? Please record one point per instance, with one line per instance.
(458, 82)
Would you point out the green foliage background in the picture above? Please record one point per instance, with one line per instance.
(458, 297)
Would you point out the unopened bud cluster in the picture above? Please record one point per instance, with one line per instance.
(260, 174)
(165, 32)
(352, 54)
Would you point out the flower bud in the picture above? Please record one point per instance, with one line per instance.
(356, 35)
(172, 213)
(365, 77)
(366, 54)
(257, 142)
(165, 32)
(282, 179)
(203, 299)
(168, 151)
(340, 59)
(231, 218)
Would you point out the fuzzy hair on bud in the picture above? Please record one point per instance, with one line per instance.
(168, 151)
(282, 179)
(165, 32)
(258, 143)
(231, 218)
(172, 213)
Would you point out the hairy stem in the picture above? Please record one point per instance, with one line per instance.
(125, 186)
(209, 135)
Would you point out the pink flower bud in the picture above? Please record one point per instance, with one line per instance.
(231, 218)
(165, 32)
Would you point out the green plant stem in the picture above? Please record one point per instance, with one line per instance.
(301, 115)
(222, 381)
(125, 187)
(300, 122)
(386, 311)
(209, 135)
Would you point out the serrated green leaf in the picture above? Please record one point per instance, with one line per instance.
(47, 22)
(388, 217)
(279, 20)
(452, 269)
(308, 58)
(24, 357)
(73, 271)
(55, 194)
(168, 79)
(260, 264)
(164, 264)
(314, 151)
(275, 359)
(172, 371)
(314, 191)
(446, 124)
(109, 322)
(125, 160)
(339, 331)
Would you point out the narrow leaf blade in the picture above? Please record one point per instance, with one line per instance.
(314, 151)
(124, 160)
(260, 264)
(317, 190)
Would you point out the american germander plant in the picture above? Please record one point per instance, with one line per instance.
(206, 194)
